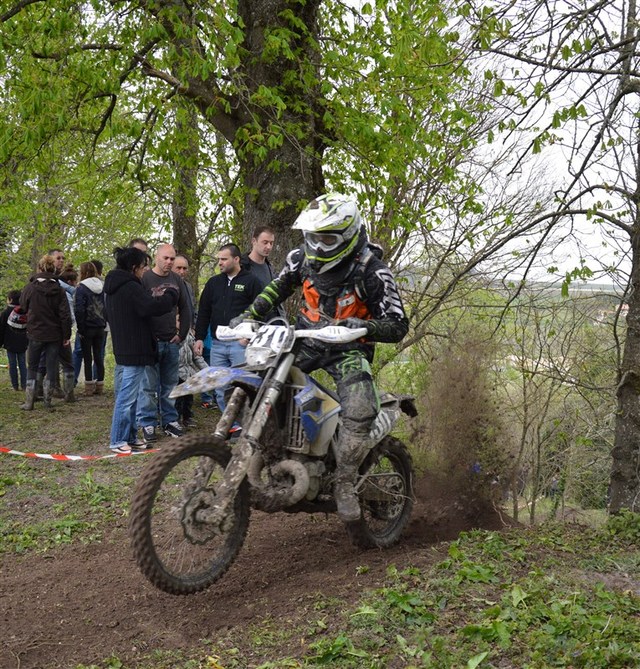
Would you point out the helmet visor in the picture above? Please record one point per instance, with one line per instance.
(323, 241)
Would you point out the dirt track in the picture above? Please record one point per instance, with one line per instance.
(80, 604)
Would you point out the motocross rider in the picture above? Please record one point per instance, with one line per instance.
(344, 282)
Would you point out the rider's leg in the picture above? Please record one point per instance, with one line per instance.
(360, 406)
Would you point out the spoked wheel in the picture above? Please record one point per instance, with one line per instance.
(385, 493)
(181, 543)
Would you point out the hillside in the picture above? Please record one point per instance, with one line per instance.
(299, 595)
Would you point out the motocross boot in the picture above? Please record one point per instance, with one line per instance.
(345, 496)
(350, 451)
(47, 394)
(30, 396)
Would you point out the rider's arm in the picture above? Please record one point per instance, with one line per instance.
(279, 289)
(389, 323)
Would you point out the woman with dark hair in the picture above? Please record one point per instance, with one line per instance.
(91, 322)
(49, 331)
(129, 308)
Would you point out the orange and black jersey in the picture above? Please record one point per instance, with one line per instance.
(368, 292)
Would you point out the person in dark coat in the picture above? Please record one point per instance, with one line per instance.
(49, 331)
(129, 309)
(13, 337)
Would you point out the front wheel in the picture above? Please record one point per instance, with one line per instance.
(176, 544)
(385, 493)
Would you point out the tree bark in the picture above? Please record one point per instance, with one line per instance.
(625, 470)
(185, 199)
(290, 174)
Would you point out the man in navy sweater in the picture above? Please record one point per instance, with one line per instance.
(225, 296)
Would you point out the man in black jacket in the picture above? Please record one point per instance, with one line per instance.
(257, 260)
(225, 296)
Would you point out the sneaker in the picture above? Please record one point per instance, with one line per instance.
(235, 430)
(189, 422)
(208, 405)
(149, 434)
(121, 450)
(173, 429)
(138, 445)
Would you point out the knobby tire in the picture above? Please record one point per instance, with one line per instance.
(382, 522)
(181, 557)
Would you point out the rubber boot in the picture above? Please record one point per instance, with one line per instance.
(30, 396)
(89, 388)
(346, 499)
(39, 381)
(68, 382)
(99, 387)
(349, 451)
(47, 394)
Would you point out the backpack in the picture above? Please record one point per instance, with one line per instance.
(17, 319)
(96, 311)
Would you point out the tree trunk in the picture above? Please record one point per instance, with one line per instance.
(275, 199)
(290, 174)
(184, 206)
(625, 471)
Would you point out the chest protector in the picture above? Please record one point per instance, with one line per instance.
(346, 300)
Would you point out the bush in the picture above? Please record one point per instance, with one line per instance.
(625, 525)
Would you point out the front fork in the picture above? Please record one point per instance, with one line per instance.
(243, 447)
(214, 513)
(232, 411)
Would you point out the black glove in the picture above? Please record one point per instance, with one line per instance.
(244, 316)
(356, 323)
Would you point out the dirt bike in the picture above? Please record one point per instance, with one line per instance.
(190, 510)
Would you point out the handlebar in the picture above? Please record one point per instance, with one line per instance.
(332, 334)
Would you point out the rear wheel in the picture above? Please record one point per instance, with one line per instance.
(385, 493)
(181, 545)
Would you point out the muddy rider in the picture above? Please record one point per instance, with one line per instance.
(344, 282)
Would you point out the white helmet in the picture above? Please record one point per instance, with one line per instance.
(330, 225)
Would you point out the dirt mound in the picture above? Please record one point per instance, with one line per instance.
(81, 604)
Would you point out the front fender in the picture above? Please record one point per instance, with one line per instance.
(211, 378)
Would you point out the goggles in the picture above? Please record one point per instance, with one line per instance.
(323, 241)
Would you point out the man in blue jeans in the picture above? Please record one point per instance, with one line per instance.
(161, 378)
(225, 296)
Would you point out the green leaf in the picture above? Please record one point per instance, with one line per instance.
(518, 595)
(476, 660)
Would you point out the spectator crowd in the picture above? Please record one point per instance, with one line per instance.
(160, 332)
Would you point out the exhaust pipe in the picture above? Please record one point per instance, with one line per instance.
(266, 497)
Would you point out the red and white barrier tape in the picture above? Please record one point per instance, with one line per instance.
(67, 458)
